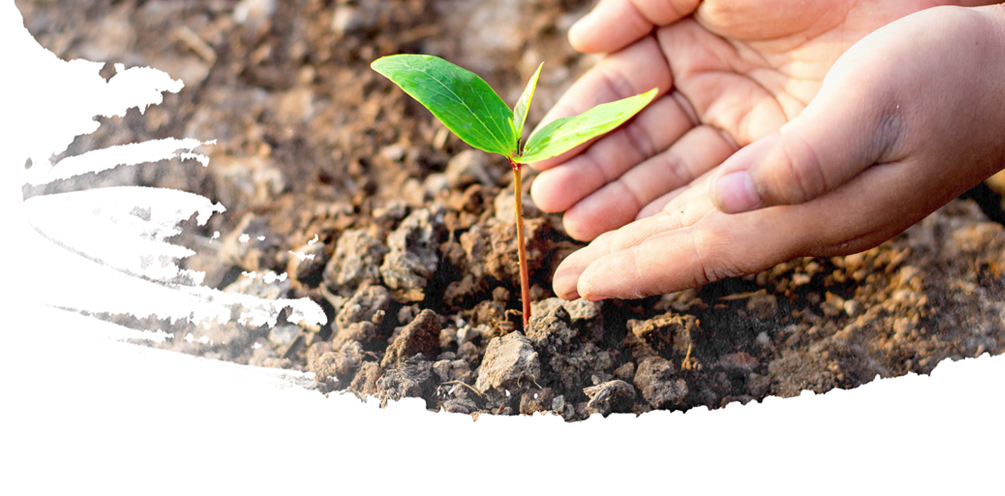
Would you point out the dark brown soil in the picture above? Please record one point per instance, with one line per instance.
(412, 235)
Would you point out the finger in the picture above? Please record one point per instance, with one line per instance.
(753, 20)
(613, 24)
(801, 163)
(869, 209)
(681, 258)
(651, 131)
(632, 71)
(620, 201)
(566, 278)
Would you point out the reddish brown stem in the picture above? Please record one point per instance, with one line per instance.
(521, 245)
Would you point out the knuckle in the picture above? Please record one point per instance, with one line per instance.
(888, 135)
(616, 82)
(800, 172)
(708, 268)
(631, 194)
(640, 139)
(714, 259)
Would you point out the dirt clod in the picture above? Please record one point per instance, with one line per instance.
(536, 400)
(656, 380)
(356, 262)
(364, 383)
(308, 262)
(604, 397)
(358, 318)
(421, 336)
(413, 255)
(469, 167)
(664, 335)
(411, 378)
(336, 368)
(509, 367)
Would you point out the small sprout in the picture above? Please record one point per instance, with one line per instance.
(472, 110)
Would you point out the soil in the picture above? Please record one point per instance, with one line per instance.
(415, 260)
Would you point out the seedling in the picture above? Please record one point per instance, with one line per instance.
(472, 110)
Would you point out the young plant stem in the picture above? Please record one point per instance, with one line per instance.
(521, 244)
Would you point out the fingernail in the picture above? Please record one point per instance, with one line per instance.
(735, 192)
(570, 296)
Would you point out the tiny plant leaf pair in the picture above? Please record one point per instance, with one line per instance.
(468, 106)
(472, 110)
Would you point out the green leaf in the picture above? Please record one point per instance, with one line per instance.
(564, 134)
(523, 105)
(461, 100)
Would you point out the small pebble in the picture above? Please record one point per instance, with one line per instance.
(394, 152)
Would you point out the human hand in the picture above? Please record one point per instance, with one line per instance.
(914, 96)
(729, 74)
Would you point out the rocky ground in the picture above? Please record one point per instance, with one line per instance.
(414, 254)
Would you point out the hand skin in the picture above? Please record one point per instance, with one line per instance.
(847, 137)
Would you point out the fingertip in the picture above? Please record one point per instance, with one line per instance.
(567, 274)
(587, 284)
(581, 33)
(565, 284)
(586, 288)
(578, 33)
(575, 229)
(551, 191)
(540, 194)
(610, 26)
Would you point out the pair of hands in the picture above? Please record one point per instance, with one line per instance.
(782, 129)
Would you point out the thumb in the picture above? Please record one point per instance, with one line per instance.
(837, 136)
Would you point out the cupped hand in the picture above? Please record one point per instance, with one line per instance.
(729, 73)
(904, 121)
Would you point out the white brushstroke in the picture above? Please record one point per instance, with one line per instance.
(124, 227)
(301, 255)
(120, 155)
(69, 281)
(72, 94)
(112, 255)
(268, 276)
